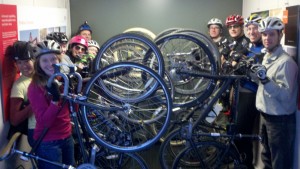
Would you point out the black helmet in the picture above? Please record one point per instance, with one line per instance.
(58, 37)
(22, 50)
(84, 26)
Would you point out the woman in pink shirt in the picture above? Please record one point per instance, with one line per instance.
(50, 113)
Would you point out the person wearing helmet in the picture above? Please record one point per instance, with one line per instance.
(235, 26)
(93, 47)
(85, 31)
(215, 30)
(51, 114)
(21, 115)
(248, 115)
(276, 97)
(78, 46)
(61, 38)
(87, 59)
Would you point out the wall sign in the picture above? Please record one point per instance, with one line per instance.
(8, 35)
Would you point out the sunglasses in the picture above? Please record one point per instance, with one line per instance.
(233, 26)
(80, 48)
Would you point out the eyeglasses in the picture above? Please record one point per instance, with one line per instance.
(233, 26)
(211, 28)
(80, 48)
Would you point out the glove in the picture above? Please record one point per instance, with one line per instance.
(261, 72)
(225, 52)
(54, 91)
(236, 56)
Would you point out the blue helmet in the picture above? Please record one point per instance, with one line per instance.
(84, 26)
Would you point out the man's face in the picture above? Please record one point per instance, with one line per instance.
(214, 31)
(252, 33)
(270, 39)
(86, 34)
(235, 31)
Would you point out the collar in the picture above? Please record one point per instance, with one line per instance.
(270, 57)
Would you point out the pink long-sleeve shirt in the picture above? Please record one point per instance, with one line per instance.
(49, 115)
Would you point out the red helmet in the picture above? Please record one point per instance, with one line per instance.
(78, 39)
(234, 19)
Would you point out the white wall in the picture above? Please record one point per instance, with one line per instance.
(250, 6)
(32, 3)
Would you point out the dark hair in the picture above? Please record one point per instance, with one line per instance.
(21, 50)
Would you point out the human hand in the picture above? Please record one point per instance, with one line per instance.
(225, 52)
(236, 56)
(261, 72)
(54, 91)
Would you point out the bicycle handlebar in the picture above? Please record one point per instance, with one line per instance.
(65, 77)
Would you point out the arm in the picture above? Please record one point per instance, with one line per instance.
(282, 84)
(17, 113)
(45, 111)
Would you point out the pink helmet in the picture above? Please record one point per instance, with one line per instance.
(234, 19)
(78, 39)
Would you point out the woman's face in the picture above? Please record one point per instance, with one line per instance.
(25, 67)
(46, 61)
(78, 51)
(63, 48)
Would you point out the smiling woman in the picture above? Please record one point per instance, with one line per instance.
(52, 116)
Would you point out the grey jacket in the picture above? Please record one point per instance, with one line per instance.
(279, 96)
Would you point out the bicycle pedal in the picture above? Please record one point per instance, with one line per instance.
(23, 158)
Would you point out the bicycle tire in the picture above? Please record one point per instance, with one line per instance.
(120, 161)
(174, 143)
(129, 47)
(207, 41)
(189, 90)
(123, 124)
(212, 155)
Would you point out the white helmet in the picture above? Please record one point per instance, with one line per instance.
(270, 23)
(44, 47)
(215, 21)
(93, 43)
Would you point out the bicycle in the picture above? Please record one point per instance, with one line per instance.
(117, 107)
(198, 148)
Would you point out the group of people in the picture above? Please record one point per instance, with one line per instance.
(268, 101)
(40, 107)
(270, 95)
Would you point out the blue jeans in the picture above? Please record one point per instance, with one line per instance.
(278, 134)
(61, 151)
(30, 137)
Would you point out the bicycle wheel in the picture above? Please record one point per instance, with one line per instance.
(118, 116)
(207, 41)
(175, 142)
(113, 160)
(184, 53)
(130, 47)
(214, 155)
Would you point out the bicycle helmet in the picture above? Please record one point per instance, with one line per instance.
(58, 37)
(78, 39)
(84, 26)
(234, 19)
(253, 19)
(93, 43)
(22, 50)
(215, 21)
(45, 47)
(270, 23)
